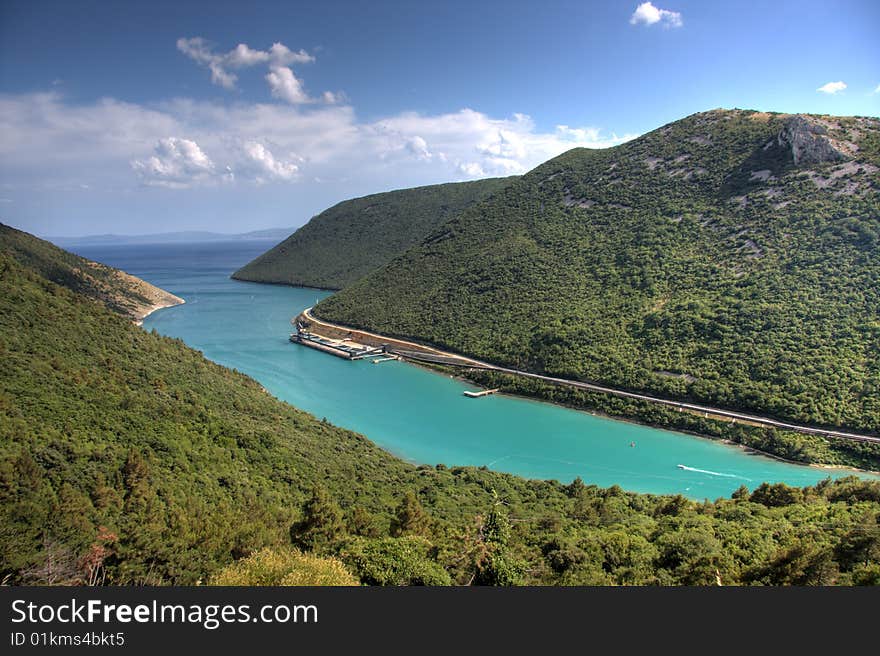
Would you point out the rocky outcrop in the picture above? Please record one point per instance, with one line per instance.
(809, 142)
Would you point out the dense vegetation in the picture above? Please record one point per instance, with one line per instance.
(357, 236)
(731, 258)
(126, 457)
(117, 290)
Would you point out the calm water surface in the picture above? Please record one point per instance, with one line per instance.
(420, 415)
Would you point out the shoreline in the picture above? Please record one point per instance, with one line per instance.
(634, 422)
(464, 360)
(158, 306)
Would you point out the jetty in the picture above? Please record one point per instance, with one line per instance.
(476, 395)
(341, 348)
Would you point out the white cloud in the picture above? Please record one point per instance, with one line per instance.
(187, 144)
(832, 87)
(419, 147)
(281, 55)
(264, 166)
(176, 163)
(284, 85)
(333, 98)
(877, 90)
(198, 50)
(243, 56)
(471, 169)
(647, 14)
(474, 144)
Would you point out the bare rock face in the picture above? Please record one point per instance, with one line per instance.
(808, 141)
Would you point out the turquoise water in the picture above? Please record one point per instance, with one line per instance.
(417, 414)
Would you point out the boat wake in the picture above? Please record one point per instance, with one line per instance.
(711, 473)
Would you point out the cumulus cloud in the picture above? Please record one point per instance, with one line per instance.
(473, 144)
(283, 84)
(281, 55)
(176, 163)
(263, 166)
(200, 52)
(471, 169)
(243, 56)
(832, 88)
(647, 14)
(332, 98)
(186, 144)
(419, 148)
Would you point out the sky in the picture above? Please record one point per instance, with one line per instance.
(147, 117)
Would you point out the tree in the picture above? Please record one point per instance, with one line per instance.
(860, 545)
(321, 525)
(407, 560)
(495, 565)
(410, 517)
(362, 523)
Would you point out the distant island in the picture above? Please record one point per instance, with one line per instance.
(185, 236)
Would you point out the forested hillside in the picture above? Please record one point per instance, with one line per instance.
(128, 458)
(116, 289)
(357, 236)
(731, 258)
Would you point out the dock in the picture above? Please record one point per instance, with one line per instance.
(348, 351)
(476, 395)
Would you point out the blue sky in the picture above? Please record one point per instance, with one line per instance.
(147, 117)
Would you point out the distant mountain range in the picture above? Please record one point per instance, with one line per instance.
(184, 236)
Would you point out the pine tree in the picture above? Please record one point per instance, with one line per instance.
(410, 517)
(321, 525)
(496, 566)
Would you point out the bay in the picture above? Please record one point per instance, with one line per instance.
(415, 413)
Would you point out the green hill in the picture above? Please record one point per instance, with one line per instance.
(119, 291)
(354, 237)
(128, 458)
(730, 258)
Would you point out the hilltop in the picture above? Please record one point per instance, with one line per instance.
(128, 458)
(357, 236)
(730, 258)
(119, 291)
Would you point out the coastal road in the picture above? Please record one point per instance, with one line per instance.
(454, 359)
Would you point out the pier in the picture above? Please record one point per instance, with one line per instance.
(339, 348)
(476, 395)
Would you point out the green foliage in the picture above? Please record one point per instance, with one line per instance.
(321, 525)
(282, 566)
(357, 236)
(394, 561)
(410, 517)
(495, 566)
(695, 263)
(112, 288)
(128, 458)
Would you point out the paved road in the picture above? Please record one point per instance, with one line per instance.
(454, 359)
